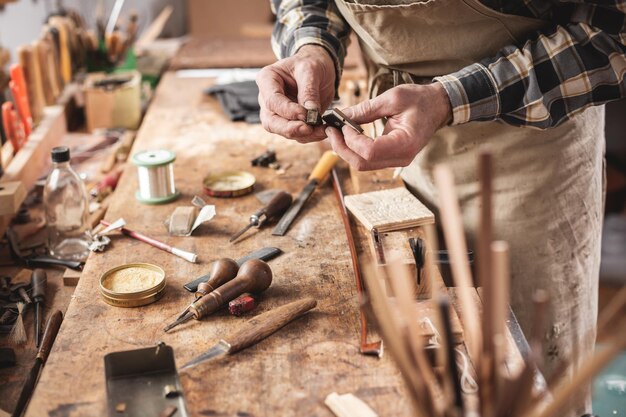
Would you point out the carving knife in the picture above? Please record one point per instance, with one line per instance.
(255, 330)
(323, 167)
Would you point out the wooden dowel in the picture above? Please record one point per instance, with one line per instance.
(390, 331)
(455, 241)
(400, 278)
(488, 279)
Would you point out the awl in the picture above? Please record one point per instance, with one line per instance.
(276, 207)
(323, 167)
(255, 330)
(39, 280)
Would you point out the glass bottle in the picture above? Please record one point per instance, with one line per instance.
(67, 209)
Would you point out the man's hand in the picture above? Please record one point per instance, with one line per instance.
(292, 85)
(413, 112)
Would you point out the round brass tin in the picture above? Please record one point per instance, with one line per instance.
(138, 298)
(229, 184)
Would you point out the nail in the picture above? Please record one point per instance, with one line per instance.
(311, 105)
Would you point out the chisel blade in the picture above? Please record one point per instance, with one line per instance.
(221, 348)
(285, 221)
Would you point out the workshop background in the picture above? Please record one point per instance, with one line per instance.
(21, 22)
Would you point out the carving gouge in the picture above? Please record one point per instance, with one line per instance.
(255, 330)
(323, 167)
(276, 207)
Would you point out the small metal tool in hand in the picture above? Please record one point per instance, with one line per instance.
(274, 209)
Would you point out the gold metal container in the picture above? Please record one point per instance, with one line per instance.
(150, 293)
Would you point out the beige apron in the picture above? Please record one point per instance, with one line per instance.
(548, 184)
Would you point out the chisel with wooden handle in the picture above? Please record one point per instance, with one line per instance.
(255, 330)
(321, 170)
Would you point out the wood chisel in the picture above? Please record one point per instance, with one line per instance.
(264, 254)
(275, 208)
(20, 96)
(323, 167)
(50, 334)
(255, 330)
(254, 276)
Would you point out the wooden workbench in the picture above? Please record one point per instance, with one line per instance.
(289, 373)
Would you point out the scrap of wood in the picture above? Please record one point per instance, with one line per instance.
(388, 210)
(348, 405)
(12, 194)
(71, 277)
(153, 31)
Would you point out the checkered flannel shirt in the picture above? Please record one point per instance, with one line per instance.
(577, 62)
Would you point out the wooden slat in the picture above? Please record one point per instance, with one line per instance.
(389, 209)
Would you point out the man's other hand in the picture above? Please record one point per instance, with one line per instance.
(292, 85)
(413, 112)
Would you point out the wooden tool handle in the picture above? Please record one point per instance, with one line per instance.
(254, 276)
(324, 165)
(267, 323)
(37, 66)
(40, 281)
(49, 334)
(42, 50)
(222, 271)
(26, 58)
(65, 59)
(277, 205)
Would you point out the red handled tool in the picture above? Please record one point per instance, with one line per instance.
(20, 95)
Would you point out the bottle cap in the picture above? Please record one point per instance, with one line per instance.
(60, 154)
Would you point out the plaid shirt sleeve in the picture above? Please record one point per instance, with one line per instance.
(573, 65)
(302, 22)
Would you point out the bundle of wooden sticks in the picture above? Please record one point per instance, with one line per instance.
(438, 386)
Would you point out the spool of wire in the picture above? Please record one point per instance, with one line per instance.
(155, 171)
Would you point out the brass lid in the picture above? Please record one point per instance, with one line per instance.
(137, 298)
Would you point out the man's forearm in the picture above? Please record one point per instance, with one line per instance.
(558, 74)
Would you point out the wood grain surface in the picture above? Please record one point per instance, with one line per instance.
(290, 372)
(389, 210)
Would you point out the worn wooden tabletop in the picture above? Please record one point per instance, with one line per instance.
(291, 372)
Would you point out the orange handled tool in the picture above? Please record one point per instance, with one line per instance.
(20, 95)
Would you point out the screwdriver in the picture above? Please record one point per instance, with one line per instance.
(254, 276)
(275, 208)
(222, 271)
(39, 281)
